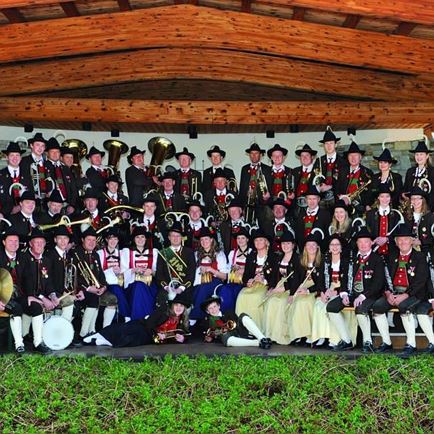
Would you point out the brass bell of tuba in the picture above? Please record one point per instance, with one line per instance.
(115, 149)
(161, 149)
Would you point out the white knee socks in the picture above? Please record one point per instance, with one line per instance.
(37, 324)
(16, 328)
(67, 312)
(425, 323)
(339, 322)
(88, 322)
(383, 327)
(109, 314)
(365, 325)
(408, 322)
(250, 325)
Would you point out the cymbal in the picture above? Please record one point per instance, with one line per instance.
(6, 286)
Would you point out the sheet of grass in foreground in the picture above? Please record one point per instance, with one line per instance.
(243, 394)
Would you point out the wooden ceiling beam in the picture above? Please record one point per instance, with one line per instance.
(374, 114)
(190, 26)
(13, 15)
(210, 64)
(70, 9)
(417, 11)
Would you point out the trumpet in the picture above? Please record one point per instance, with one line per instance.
(171, 334)
(262, 182)
(87, 273)
(218, 331)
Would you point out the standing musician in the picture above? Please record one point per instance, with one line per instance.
(10, 258)
(168, 199)
(175, 263)
(421, 220)
(311, 217)
(211, 270)
(422, 170)
(115, 266)
(97, 173)
(216, 155)
(301, 298)
(188, 180)
(329, 166)
(385, 176)
(281, 175)
(259, 266)
(195, 224)
(91, 280)
(303, 175)
(77, 180)
(112, 196)
(35, 167)
(11, 174)
(353, 178)
(140, 264)
(232, 225)
(382, 221)
(137, 177)
(25, 220)
(406, 276)
(150, 221)
(61, 175)
(229, 328)
(255, 185)
(170, 321)
(237, 262)
(341, 223)
(286, 275)
(34, 282)
(365, 285)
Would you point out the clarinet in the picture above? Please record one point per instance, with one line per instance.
(350, 274)
(326, 273)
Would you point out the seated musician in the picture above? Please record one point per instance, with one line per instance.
(90, 201)
(216, 155)
(232, 225)
(217, 198)
(364, 287)
(407, 273)
(25, 220)
(10, 258)
(237, 263)
(259, 265)
(286, 275)
(230, 329)
(169, 323)
(97, 173)
(169, 199)
(188, 181)
(341, 223)
(152, 224)
(10, 175)
(91, 280)
(140, 264)
(195, 224)
(211, 270)
(114, 267)
(175, 263)
(302, 298)
(334, 270)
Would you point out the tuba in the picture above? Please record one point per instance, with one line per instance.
(161, 149)
(115, 149)
(79, 149)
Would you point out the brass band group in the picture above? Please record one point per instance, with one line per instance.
(307, 255)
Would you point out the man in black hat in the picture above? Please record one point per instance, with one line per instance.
(10, 258)
(25, 220)
(35, 167)
(55, 204)
(329, 166)
(12, 180)
(112, 196)
(282, 179)
(407, 275)
(353, 178)
(97, 173)
(365, 284)
(138, 177)
(216, 155)
(91, 201)
(230, 227)
(76, 180)
(169, 199)
(34, 282)
(303, 175)
(255, 185)
(188, 180)
(196, 223)
(175, 263)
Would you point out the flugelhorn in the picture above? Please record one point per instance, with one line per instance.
(171, 334)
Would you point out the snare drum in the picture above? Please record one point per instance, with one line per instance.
(57, 333)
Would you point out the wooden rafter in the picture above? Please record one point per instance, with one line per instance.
(214, 112)
(209, 64)
(189, 26)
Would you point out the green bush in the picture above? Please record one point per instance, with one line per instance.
(217, 395)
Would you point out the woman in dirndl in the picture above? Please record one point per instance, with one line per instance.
(258, 268)
(302, 299)
(211, 271)
(286, 275)
(141, 263)
(237, 262)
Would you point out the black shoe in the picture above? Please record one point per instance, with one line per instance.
(368, 347)
(77, 342)
(384, 348)
(265, 343)
(42, 349)
(407, 352)
(429, 349)
(20, 349)
(343, 346)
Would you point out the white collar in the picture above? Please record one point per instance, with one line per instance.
(9, 256)
(60, 251)
(354, 170)
(312, 211)
(168, 194)
(307, 168)
(176, 249)
(405, 254)
(330, 157)
(280, 221)
(220, 192)
(13, 169)
(364, 255)
(384, 210)
(277, 169)
(151, 219)
(37, 159)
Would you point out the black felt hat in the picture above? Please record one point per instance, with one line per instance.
(421, 147)
(56, 197)
(386, 156)
(13, 147)
(255, 147)
(354, 149)
(94, 151)
(185, 151)
(306, 148)
(89, 232)
(213, 299)
(329, 136)
(216, 149)
(38, 137)
(27, 195)
(134, 151)
(52, 144)
(276, 147)
(403, 230)
(363, 232)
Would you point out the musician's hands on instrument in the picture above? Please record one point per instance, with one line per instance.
(345, 198)
(31, 299)
(399, 298)
(54, 299)
(266, 196)
(100, 291)
(331, 292)
(359, 300)
(179, 338)
(417, 242)
(93, 289)
(259, 278)
(48, 304)
(162, 336)
(250, 283)
(278, 290)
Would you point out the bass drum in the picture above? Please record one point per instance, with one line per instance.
(57, 333)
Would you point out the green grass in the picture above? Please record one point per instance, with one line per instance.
(218, 395)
